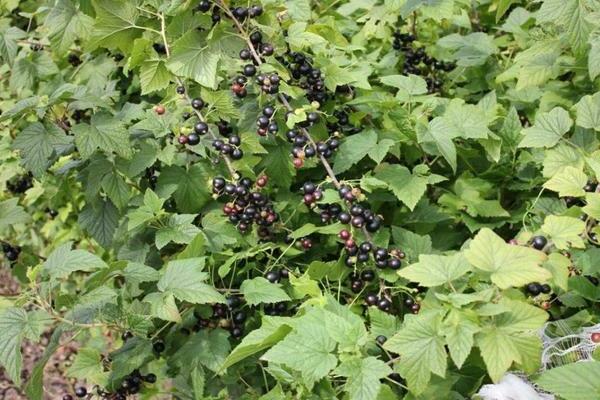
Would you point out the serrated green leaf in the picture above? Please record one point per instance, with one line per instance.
(576, 381)
(206, 348)
(88, 365)
(178, 229)
(354, 149)
(588, 112)
(154, 76)
(568, 182)
(105, 133)
(459, 330)
(548, 129)
(63, 261)
(100, 219)
(185, 279)
(67, 24)
(433, 270)
(564, 232)
(193, 58)
(115, 25)
(259, 290)
(363, 377)
(408, 187)
(508, 265)
(39, 144)
(11, 213)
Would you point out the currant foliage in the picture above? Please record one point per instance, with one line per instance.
(295, 199)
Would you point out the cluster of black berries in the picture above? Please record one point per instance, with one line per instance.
(20, 184)
(416, 61)
(536, 288)
(589, 187)
(74, 59)
(269, 83)
(275, 276)
(239, 13)
(305, 75)
(265, 123)
(224, 316)
(382, 302)
(302, 148)
(361, 253)
(130, 385)
(11, 252)
(358, 215)
(247, 206)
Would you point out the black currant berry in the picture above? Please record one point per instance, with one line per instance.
(201, 128)
(180, 90)
(237, 154)
(239, 317)
(150, 378)
(67, 397)
(249, 70)
(272, 276)
(371, 299)
(534, 288)
(381, 339)
(193, 139)
(80, 391)
(237, 332)
(197, 103)
(203, 5)
(384, 304)
(539, 242)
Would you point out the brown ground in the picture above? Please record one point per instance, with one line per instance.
(55, 383)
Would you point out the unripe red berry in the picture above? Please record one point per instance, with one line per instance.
(160, 109)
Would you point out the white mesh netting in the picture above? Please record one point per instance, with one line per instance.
(563, 345)
(564, 342)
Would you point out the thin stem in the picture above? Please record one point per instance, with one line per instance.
(284, 101)
(180, 82)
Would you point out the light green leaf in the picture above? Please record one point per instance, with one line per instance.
(363, 377)
(272, 330)
(568, 182)
(588, 112)
(184, 278)
(88, 365)
(105, 133)
(39, 145)
(433, 270)
(9, 45)
(470, 50)
(192, 57)
(67, 24)
(559, 157)
(178, 229)
(508, 265)
(206, 348)
(594, 60)
(299, 10)
(100, 219)
(592, 207)
(154, 76)
(421, 348)
(63, 261)
(548, 129)
(115, 25)
(408, 188)
(459, 330)
(11, 213)
(564, 232)
(189, 187)
(163, 306)
(259, 290)
(408, 86)
(354, 149)
(576, 381)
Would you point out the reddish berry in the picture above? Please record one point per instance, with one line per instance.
(182, 139)
(298, 162)
(595, 337)
(344, 234)
(159, 109)
(262, 181)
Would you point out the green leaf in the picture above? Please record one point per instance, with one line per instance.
(508, 265)
(39, 144)
(185, 279)
(189, 187)
(11, 213)
(163, 306)
(421, 348)
(117, 190)
(115, 25)
(277, 165)
(576, 381)
(64, 261)
(408, 188)
(548, 129)
(564, 232)
(100, 219)
(8, 43)
(470, 50)
(178, 229)
(193, 58)
(67, 24)
(412, 243)
(466, 120)
(571, 14)
(594, 60)
(307, 349)
(459, 330)
(354, 149)
(592, 207)
(436, 133)
(154, 76)
(559, 157)
(88, 365)
(588, 112)
(271, 331)
(104, 132)
(206, 348)
(259, 290)
(568, 182)
(363, 377)
(433, 270)
(299, 10)
(411, 85)
(15, 325)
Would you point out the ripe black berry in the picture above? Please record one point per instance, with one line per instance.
(344, 217)
(201, 128)
(381, 339)
(249, 70)
(267, 49)
(312, 117)
(237, 154)
(237, 332)
(371, 299)
(534, 288)
(126, 335)
(193, 139)
(80, 391)
(272, 276)
(356, 286)
(197, 103)
(67, 397)
(203, 5)
(545, 288)
(394, 263)
(180, 90)
(255, 11)
(256, 37)
(150, 378)
(539, 242)
(384, 304)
